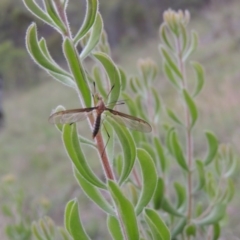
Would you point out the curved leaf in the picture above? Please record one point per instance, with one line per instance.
(160, 153)
(177, 151)
(73, 222)
(94, 37)
(212, 147)
(200, 77)
(191, 107)
(167, 207)
(193, 46)
(38, 12)
(159, 194)
(37, 55)
(164, 36)
(181, 194)
(113, 75)
(178, 229)
(93, 193)
(149, 179)
(77, 71)
(201, 175)
(71, 143)
(217, 213)
(173, 116)
(125, 210)
(128, 147)
(91, 12)
(114, 228)
(158, 228)
(170, 62)
(168, 71)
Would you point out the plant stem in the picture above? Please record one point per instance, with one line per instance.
(188, 136)
(102, 153)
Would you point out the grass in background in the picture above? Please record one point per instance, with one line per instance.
(37, 158)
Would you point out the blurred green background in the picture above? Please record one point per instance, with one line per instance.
(31, 148)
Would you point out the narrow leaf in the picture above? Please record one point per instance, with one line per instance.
(216, 231)
(177, 151)
(164, 36)
(159, 194)
(93, 193)
(168, 71)
(123, 78)
(212, 147)
(113, 75)
(95, 35)
(178, 229)
(128, 147)
(77, 71)
(199, 77)
(191, 107)
(51, 10)
(126, 211)
(170, 62)
(71, 143)
(157, 225)
(167, 207)
(217, 213)
(193, 46)
(201, 175)
(149, 179)
(90, 16)
(114, 228)
(160, 154)
(181, 194)
(38, 12)
(74, 226)
(37, 55)
(173, 116)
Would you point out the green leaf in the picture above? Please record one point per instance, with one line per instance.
(149, 179)
(95, 35)
(91, 13)
(158, 228)
(199, 77)
(184, 37)
(93, 193)
(160, 154)
(71, 143)
(150, 150)
(157, 105)
(114, 228)
(128, 147)
(191, 107)
(125, 210)
(38, 12)
(215, 215)
(167, 207)
(164, 36)
(36, 232)
(77, 70)
(190, 230)
(168, 71)
(159, 194)
(181, 194)
(37, 55)
(212, 147)
(193, 46)
(177, 151)
(170, 132)
(178, 229)
(99, 82)
(123, 78)
(113, 75)
(54, 15)
(73, 222)
(231, 168)
(173, 116)
(201, 175)
(170, 62)
(216, 231)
